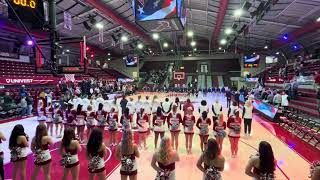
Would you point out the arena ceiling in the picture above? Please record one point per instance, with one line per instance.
(208, 19)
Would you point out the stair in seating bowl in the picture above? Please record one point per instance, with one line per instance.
(308, 99)
(305, 104)
(311, 112)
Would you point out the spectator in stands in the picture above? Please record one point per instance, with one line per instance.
(284, 100)
(24, 106)
(29, 100)
(277, 99)
(22, 91)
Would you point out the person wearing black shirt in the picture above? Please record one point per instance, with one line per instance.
(228, 95)
(123, 104)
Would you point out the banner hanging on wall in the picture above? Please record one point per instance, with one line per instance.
(10, 81)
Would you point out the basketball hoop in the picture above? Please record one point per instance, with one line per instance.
(178, 75)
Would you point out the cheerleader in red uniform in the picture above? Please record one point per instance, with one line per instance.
(2, 138)
(41, 111)
(143, 127)
(112, 121)
(203, 124)
(91, 120)
(158, 126)
(188, 122)
(71, 117)
(234, 125)
(40, 148)
(219, 128)
(174, 119)
(49, 121)
(57, 119)
(126, 120)
(101, 117)
(81, 118)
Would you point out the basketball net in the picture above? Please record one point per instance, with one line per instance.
(69, 77)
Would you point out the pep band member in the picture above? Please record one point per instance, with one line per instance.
(158, 126)
(96, 151)
(188, 122)
(40, 148)
(81, 118)
(2, 138)
(174, 120)
(112, 120)
(126, 153)
(143, 127)
(203, 124)
(69, 148)
(18, 144)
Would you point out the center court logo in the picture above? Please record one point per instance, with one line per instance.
(18, 81)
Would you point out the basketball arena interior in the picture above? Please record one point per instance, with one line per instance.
(160, 89)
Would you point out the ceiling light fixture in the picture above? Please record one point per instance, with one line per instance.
(140, 46)
(99, 25)
(223, 41)
(193, 43)
(318, 20)
(228, 31)
(266, 47)
(277, 53)
(238, 12)
(165, 45)
(155, 36)
(190, 33)
(220, 48)
(124, 38)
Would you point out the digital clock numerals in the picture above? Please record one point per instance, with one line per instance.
(26, 3)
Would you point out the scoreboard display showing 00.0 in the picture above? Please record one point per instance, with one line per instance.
(29, 11)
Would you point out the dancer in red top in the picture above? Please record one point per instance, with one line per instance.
(126, 119)
(174, 119)
(234, 125)
(101, 117)
(143, 127)
(49, 121)
(71, 117)
(2, 138)
(91, 120)
(219, 128)
(188, 122)
(41, 111)
(57, 119)
(158, 126)
(203, 124)
(112, 121)
(81, 118)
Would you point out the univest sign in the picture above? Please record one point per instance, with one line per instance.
(26, 81)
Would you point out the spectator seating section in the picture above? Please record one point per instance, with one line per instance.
(18, 69)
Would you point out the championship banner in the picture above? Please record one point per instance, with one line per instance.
(67, 20)
(9, 81)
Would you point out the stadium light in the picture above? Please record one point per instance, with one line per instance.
(140, 46)
(220, 48)
(318, 20)
(195, 49)
(124, 38)
(30, 43)
(171, 50)
(223, 41)
(99, 25)
(277, 53)
(238, 12)
(155, 36)
(165, 45)
(266, 47)
(109, 59)
(67, 50)
(190, 33)
(285, 37)
(193, 43)
(228, 31)
(109, 54)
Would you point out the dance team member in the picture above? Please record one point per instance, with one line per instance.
(138, 105)
(158, 126)
(101, 117)
(148, 109)
(234, 125)
(187, 104)
(40, 148)
(41, 111)
(188, 122)
(203, 124)
(166, 159)
(178, 104)
(174, 119)
(263, 164)
(2, 138)
(143, 127)
(49, 118)
(126, 153)
(126, 119)
(81, 119)
(71, 117)
(112, 120)
(91, 120)
(219, 128)
(18, 144)
(58, 118)
(132, 111)
(96, 151)
(211, 162)
(69, 149)
(232, 109)
(216, 109)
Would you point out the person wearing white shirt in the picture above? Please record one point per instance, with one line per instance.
(139, 104)
(203, 107)
(155, 104)
(284, 100)
(216, 109)
(247, 116)
(232, 109)
(166, 107)
(132, 110)
(100, 99)
(85, 102)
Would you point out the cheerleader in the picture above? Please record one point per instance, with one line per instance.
(174, 120)
(132, 109)
(18, 144)
(41, 112)
(57, 119)
(186, 105)
(49, 115)
(107, 104)
(216, 109)
(71, 117)
(147, 109)
(143, 127)
(138, 104)
(91, 120)
(126, 120)
(219, 128)
(178, 104)
(234, 125)
(81, 119)
(203, 107)
(126, 153)
(158, 126)
(232, 109)
(96, 151)
(203, 124)
(68, 149)
(112, 120)
(188, 122)
(2, 138)
(40, 148)
(101, 117)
